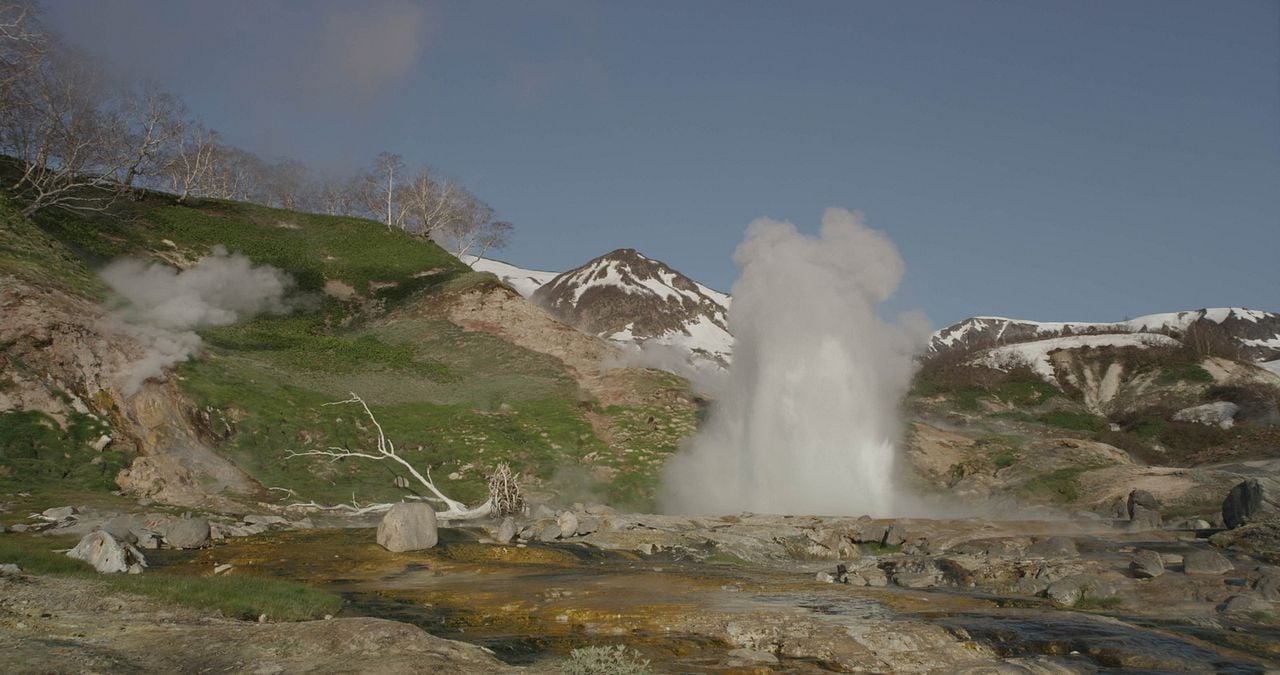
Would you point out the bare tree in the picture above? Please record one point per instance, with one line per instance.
(23, 44)
(504, 493)
(190, 165)
(55, 130)
(378, 195)
(286, 185)
(337, 196)
(146, 127)
(472, 231)
(429, 203)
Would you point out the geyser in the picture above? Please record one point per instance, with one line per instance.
(808, 419)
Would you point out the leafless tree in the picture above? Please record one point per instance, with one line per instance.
(55, 130)
(378, 195)
(337, 195)
(472, 230)
(429, 203)
(189, 167)
(23, 43)
(504, 492)
(146, 127)
(286, 184)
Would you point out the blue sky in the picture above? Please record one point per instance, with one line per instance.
(1085, 160)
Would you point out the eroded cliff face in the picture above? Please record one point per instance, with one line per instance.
(61, 355)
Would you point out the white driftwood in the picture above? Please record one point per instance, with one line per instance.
(455, 510)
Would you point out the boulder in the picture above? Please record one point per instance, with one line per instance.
(870, 533)
(107, 555)
(568, 524)
(1219, 414)
(1070, 590)
(1250, 501)
(263, 519)
(1244, 604)
(408, 526)
(588, 525)
(895, 535)
(188, 533)
(506, 531)
(10, 570)
(1054, 547)
(1268, 585)
(1205, 562)
(874, 576)
(1143, 510)
(1146, 564)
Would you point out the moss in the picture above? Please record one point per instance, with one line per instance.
(1074, 421)
(1060, 485)
(37, 453)
(1190, 373)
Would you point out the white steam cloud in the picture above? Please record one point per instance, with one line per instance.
(808, 420)
(162, 306)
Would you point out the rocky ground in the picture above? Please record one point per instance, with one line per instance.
(746, 593)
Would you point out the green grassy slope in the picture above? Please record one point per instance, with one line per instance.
(454, 401)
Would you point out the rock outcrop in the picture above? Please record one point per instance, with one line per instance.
(107, 555)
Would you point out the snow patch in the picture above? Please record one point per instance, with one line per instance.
(1035, 355)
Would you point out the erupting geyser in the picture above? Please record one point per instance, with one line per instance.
(808, 419)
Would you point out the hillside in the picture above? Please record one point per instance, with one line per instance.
(381, 313)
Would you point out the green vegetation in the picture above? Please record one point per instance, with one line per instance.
(1089, 602)
(1190, 373)
(240, 597)
(29, 253)
(36, 453)
(1061, 485)
(1073, 421)
(615, 660)
(968, 386)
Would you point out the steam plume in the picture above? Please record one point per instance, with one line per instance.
(164, 306)
(807, 421)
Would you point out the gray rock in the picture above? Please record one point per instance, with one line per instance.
(506, 531)
(2, 530)
(1244, 604)
(895, 535)
(1219, 413)
(547, 530)
(19, 527)
(188, 533)
(1070, 590)
(1205, 562)
(870, 533)
(568, 524)
(541, 511)
(1144, 510)
(824, 578)
(123, 528)
(1250, 501)
(921, 579)
(746, 655)
(600, 510)
(1147, 564)
(408, 526)
(588, 525)
(1029, 586)
(874, 576)
(107, 555)
(1054, 547)
(1268, 585)
(58, 514)
(9, 570)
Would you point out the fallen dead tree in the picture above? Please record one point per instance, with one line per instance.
(504, 492)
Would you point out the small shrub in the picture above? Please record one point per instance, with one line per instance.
(1074, 421)
(615, 660)
(1190, 373)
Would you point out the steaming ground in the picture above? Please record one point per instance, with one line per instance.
(807, 420)
(162, 307)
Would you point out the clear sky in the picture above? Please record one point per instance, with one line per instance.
(1083, 160)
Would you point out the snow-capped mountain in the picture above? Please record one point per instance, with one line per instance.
(631, 299)
(1256, 333)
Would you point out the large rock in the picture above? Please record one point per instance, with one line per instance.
(408, 526)
(1144, 510)
(568, 524)
(1250, 501)
(1219, 414)
(506, 531)
(1072, 589)
(107, 555)
(1205, 562)
(1147, 564)
(188, 533)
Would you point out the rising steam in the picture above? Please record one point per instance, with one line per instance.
(808, 419)
(162, 307)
